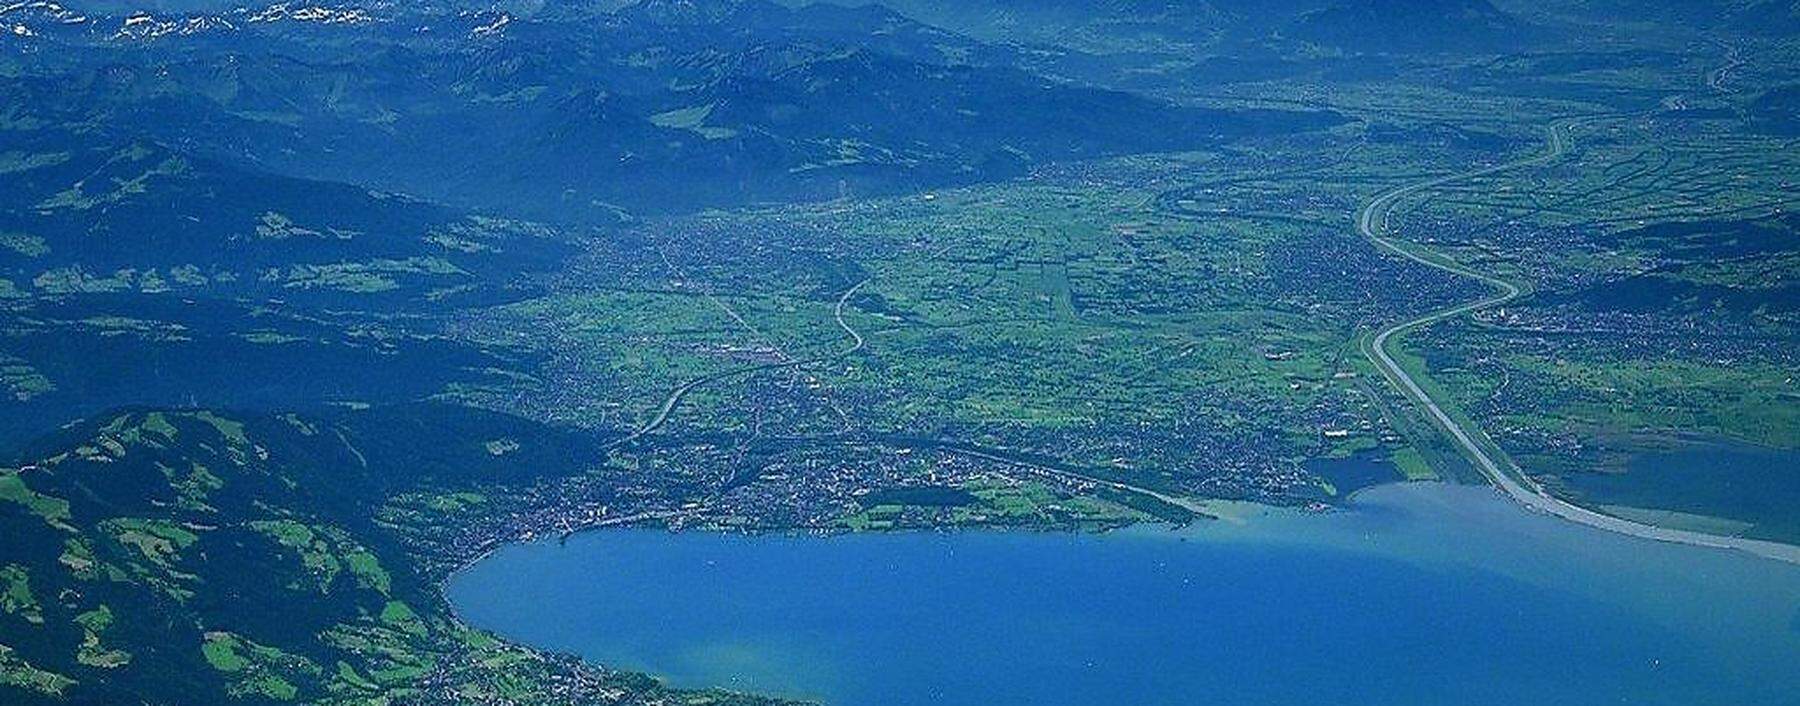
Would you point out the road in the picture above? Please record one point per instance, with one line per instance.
(1716, 78)
(1186, 503)
(676, 395)
(857, 343)
(1507, 477)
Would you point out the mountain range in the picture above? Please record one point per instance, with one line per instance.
(567, 113)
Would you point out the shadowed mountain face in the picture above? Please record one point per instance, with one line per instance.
(82, 215)
(1109, 25)
(1049, 20)
(567, 113)
(1769, 17)
(1408, 26)
(1777, 110)
(1235, 26)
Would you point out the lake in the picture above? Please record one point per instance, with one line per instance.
(1751, 485)
(1418, 594)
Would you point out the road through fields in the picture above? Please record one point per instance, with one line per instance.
(1371, 221)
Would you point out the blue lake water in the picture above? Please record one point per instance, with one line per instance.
(1752, 484)
(1420, 594)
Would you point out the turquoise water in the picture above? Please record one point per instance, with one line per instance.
(1421, 594)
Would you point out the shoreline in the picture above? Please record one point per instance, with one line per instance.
(1506, 476)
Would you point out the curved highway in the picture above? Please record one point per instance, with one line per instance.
(1508, 478)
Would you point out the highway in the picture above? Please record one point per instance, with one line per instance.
(1372, 223)
(1186, 503)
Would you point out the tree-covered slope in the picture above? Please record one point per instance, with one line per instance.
(201, 557)
(86, 211)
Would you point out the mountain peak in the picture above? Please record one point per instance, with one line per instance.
(693, 12)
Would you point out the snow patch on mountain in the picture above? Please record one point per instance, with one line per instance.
(320, 14)
(494, 27)
(141, 26)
